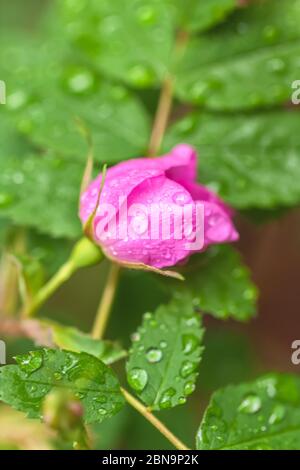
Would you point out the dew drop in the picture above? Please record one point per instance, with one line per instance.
(57, 375)
(189, 343)
(249, 294)
(199, 91)
(270, 33)
(276, 65)
(163, 344)
(135, 337)
(277, 415)
(31, 362)
(141, 76)
(250, 405)
(187, 369)
(146, 14)
(137, 379)
(154, 355)
(166, 398)
(181, 198)
(80, 81)
(17, 100)
(5, 200)
(189, 388)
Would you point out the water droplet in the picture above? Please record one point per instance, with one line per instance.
(199, 92)
(57, 375)
(141, 76)
(17, 100)
(135, 337)
(187, 369)
(137, 379)
(31, 362)
(189, 388)
(5, 199)
(189, 343)
(277, 415)
(154, 355)
(181, 400)
(219, 230)
(276, 65)
(249, 294)
(79, 81)
(166, 398)
(163, 344)
(100, 399)
(18, 178)
(181, 198)
(146, 14)
(250, 405)
(270, 33)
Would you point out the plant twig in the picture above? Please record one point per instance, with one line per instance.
(106, 302)
(161, 117)
(138, 406)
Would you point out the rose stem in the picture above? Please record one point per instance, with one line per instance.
(106, 302)
(138, 406)
(161, 117)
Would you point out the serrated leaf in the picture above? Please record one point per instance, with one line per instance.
(252, 160)
(74, 340)
(249, 62)
(260, 415)
(165, 354)
(219, 284)
(42, 192)
(131, 41)
(134, 41)
(53, 87)
(24, 386)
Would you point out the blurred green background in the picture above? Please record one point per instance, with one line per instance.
(234, 352)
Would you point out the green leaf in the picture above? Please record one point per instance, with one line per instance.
(220, 69)
(54, 87)
(252, 160)
(165, 354)
(74, 340)
(260, 415)
(24, 386)
(42, 192)
(220, 284)
(133, 41)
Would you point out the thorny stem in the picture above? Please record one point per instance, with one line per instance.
(106, 302)
(138, 406)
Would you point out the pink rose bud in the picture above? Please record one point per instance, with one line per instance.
(153, 212)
